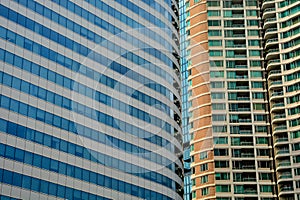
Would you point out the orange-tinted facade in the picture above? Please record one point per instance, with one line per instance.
(202, 140)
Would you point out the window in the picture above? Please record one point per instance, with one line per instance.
(261, 129)
(220, 129)
(221, 140)
(253, 42)
(218, 95)
(263, 152)
(256, 74)
(219, 117)
(204, 167)
(194, 194)
(255, 63)
(251, 13)
(204, 179)
(265, 176)
(193, 182)
(266, 188)
(221, 152)
(252, 22)
(216, 63)
(217, 84)
(203, 155)
(204, 191)
(295, 134)
(187, 4)
(221, 164)
(254, 53)
(251, 3)
(214, 43)
(223, 188)
(215, 53)
(259, 106)
(239, 189)
(213, 3)
(258, 95)
(260, 118)
(214, 13)
(222, 176)
(253, 33)
(262, 140)
(192, 147)
(256, 84)
(216, 74)
(214, 22)
(214, 33)
(219, 106)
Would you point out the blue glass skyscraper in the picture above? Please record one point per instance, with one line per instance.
(90, 100)
(185, 105)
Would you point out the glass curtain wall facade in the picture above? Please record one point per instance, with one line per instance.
(185, 104)
(90, 100)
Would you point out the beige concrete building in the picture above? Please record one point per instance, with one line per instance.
(244, 58)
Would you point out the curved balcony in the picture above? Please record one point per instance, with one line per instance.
(271, 42)
(281, 141)
(269, 22)
(285, 190)
(272, 54)
(277, 106)
(273, 64)
(278, 118)
(276, 95)
(275, 84)
(285, 176)
(274, 74)
(282, 153)
(279, 129)
(270, 33)
(283, 165)
(269, 13)
(268, 4)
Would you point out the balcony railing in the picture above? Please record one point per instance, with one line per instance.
(241, 66)
(279, 128)
(248, 167)
(247, 155)
(269, 10)
(281, 140)
(240, 56)
(276, 83)
(271, 30)
(285, 176)
(272, 40)
(284, 164)
(250, 191)
(277, 94)
(237, 15)
(244, 120)
(279, 116)
(239, 109)
(274, 72)
(243, 98)
(270, 20)
(245, 131)
(278, 105)
(283, 151)
(246, 143)
(273, 61)
(286, 188)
